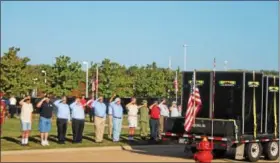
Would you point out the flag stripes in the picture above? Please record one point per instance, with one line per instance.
(194, 105)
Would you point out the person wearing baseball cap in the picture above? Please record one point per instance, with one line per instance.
(117, 114)
(144, 119)
(99, 118)
(132, 118)
(154, 121)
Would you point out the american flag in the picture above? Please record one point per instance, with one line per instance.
(194, 105)
(176, 83)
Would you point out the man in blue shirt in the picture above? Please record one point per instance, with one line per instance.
(99, 118)
(63, 115)
(78, 120)
(117, 113)
(110, 118)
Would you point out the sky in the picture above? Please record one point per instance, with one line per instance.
(139, 32)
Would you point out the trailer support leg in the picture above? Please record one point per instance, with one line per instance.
(239, 153)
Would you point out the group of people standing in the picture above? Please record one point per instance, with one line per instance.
(150, 117)
(46, 109)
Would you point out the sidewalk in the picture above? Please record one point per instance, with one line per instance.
(80, 149)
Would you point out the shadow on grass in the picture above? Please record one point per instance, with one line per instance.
(53, 138)
(13, 140)
(18, 139)
(88, 138)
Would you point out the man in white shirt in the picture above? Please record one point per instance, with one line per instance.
(132, 118)
(164, 112)
(12, 106)
(26, 118)
(174, 110)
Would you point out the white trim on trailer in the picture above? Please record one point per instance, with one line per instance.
(223, 139)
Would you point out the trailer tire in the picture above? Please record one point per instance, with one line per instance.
(253, 152)
(271, 150)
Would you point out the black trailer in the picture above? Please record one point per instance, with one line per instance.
(245, 108)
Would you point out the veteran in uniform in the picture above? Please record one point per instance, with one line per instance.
(144, 119)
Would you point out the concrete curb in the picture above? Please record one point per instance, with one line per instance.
(112, 148)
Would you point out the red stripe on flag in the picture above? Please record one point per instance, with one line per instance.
(194, 105)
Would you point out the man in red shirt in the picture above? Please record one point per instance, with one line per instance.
(154, 121)
(83, 101)
(90, 109)
(2, 113)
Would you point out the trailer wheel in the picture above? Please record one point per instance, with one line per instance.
(271, 150)
(253, 152)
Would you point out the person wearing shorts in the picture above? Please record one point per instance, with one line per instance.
(25, 119)
(46, 110)
(132, 117)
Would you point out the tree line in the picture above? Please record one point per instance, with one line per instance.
(65, 77)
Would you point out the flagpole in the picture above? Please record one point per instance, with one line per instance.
(176, 86)
(213, 102)
(194, 87)
(96, 84)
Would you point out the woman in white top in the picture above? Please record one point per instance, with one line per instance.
(132, 117)
(26, 118)
(174, 110)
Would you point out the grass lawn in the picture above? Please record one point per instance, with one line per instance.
(11, 136)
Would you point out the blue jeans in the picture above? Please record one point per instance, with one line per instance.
(117, 127)
(44, 124)
(154, 127)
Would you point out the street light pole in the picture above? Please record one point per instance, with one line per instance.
(43, 71)
(185, 57)
(169, 63)
(225, 65)
(35, 89)
(86, 63)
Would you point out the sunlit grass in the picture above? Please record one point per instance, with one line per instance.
(11, 136)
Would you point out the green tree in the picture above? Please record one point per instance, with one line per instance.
(14, 79)
(112, 78)
(65, 76)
